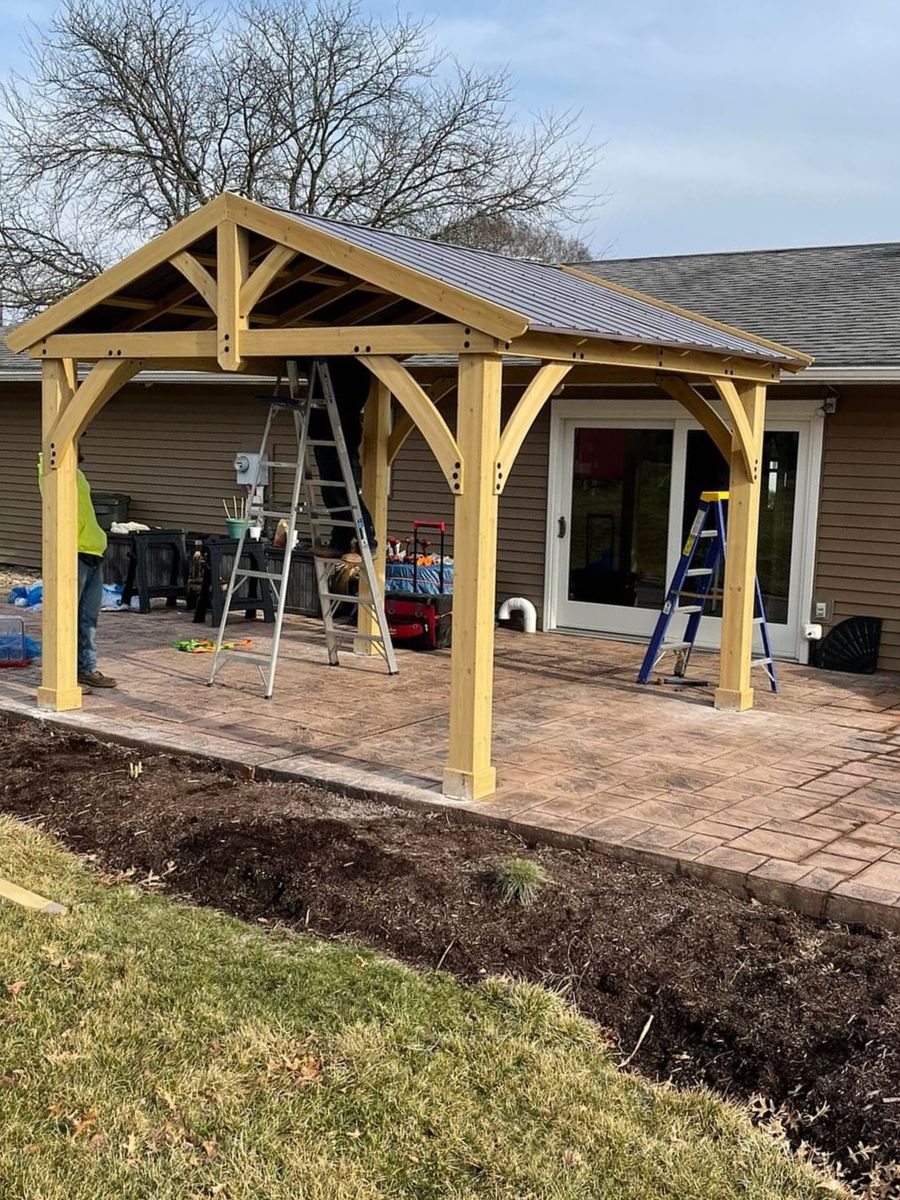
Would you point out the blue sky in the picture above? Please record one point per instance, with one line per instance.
(724, 126)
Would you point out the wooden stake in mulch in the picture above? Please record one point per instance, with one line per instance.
(30, 900)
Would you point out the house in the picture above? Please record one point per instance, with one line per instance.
(594, 512)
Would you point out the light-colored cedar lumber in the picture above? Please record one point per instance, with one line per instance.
(546, 380)
(742, 431)
(375, 486)
(442, 297)
(59, 688)
(404, 424)
(254, 288)
(700, 409)
(197, 276)
(734, 691)
(159, 250)
(105, 378)
(29, 900)
(431, 424)
(88, 347)
(367, 339)
(577, 348)
(307, 307)
(469, 773)
(232, 272)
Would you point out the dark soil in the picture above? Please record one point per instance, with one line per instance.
(747, 998)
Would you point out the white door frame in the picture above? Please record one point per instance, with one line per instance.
(622, 413)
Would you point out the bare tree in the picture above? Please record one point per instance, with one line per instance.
(134, 112)
(518, 238)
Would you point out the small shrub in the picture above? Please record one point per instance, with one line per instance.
(518, 880)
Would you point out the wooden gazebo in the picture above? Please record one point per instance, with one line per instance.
(239, 286)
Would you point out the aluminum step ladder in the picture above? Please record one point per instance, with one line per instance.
(691, 590)
(307, 501)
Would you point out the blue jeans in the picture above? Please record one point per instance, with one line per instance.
(90, 597)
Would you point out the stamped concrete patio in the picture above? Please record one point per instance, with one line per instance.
(796, 802)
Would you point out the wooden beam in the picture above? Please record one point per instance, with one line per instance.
(197, 276)
(431, 424)
(739, 588)
(253, 289)
(29, 900)
(59, 688)
(312, 305)
(371, 309)
(159, 345)
(404, 424)
(469, 774)
(700, 409)
(453, 302)
(232, 247)
(546, 380)
(375, 486)
(366, 339)
(636, 355)
(742, 430)
(158, 251)
(105, 378)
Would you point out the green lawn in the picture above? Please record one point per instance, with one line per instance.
(148, 1049)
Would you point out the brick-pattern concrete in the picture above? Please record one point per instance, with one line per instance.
(796, 802)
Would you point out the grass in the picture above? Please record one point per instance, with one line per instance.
(152, 1050)
(518, 880)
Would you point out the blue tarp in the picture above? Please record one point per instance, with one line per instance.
(399, 578)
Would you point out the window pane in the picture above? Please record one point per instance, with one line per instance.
(620, 516)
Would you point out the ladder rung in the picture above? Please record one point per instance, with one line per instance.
(331, 523)
(254, 655)
(675, 645)
(351, 634)
(708, 533)
(688, 608)
(269, 512)
(310, 442)
(317, 482)
(339, 596)
(699, 571)
(329, 512)
(760, 662)
(287, 466)
(277, 575)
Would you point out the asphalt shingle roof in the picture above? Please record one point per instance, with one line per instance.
(838, 303)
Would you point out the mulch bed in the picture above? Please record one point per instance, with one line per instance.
(748, 998)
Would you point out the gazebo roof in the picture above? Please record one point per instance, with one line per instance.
(325, 273)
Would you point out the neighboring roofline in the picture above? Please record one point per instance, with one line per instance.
(638, 258)
(800, 360)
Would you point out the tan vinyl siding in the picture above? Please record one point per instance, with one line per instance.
(169, 446)
(418, 490)
(858, 552)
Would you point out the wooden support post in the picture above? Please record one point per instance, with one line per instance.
(232, 272)
(375, 480)
(59, 688)
(469, 774)
(734, 691)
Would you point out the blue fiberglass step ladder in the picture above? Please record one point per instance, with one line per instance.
(694, 584)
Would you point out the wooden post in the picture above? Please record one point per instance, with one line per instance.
(469, 774)
(59, 688)
(734, 691)
(232, 272)
(375, 482)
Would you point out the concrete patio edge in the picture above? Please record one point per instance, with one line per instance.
(399, 788)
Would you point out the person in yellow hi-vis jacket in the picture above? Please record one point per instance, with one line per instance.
(91, 548)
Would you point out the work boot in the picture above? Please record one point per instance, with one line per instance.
(95, 679)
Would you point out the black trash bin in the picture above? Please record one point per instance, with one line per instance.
(110, 507)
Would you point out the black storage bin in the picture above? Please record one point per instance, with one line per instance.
(110, 507)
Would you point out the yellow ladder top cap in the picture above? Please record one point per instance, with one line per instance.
(713, 495)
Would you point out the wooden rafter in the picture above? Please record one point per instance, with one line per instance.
(307, 307)
(431, 424)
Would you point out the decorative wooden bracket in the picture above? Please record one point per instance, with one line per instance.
(532, 400)
(99, 386)
(743, 434)
(699, 408)
(196, 275)
(253, 289)
(431, 424)
(404, 425)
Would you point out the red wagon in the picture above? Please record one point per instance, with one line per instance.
(422, 619)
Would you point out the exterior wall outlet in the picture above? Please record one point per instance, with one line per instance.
(812, 633)
(820, 610)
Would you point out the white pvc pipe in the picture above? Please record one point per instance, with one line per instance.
(525, 607)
